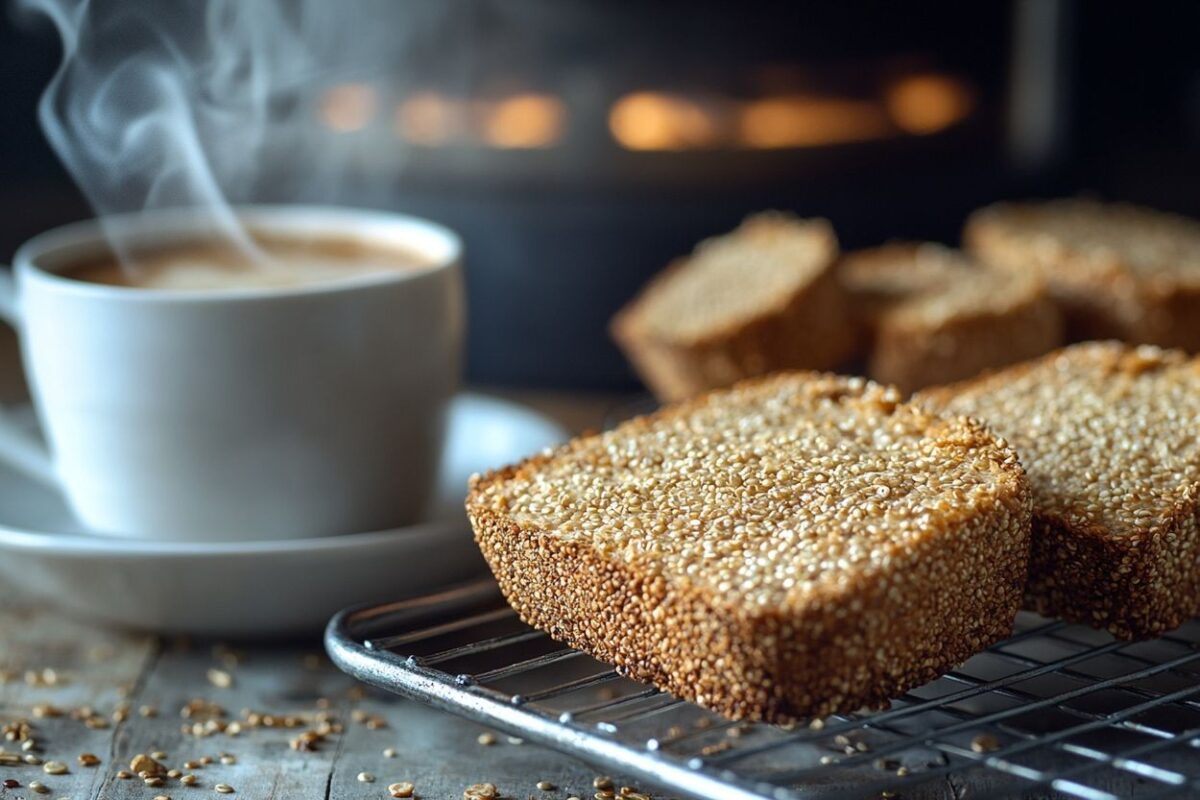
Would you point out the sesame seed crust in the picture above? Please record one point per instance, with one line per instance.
(936, 316)
(1105, 432)
(797, 545)
(764, 297)
(1117, 271)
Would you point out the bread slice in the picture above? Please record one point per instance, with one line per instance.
(1118, 271)
(936, 316)
(795, 545)
(760, 299)
(1107, 433)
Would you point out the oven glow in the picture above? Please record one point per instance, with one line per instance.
(347, 107)
(524, 121)
(803, 121)
(928, 103)
(656, 121)
(428, 118)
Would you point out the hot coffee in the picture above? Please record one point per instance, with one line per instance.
(279, 263)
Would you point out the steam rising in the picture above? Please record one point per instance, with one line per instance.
(160, 105)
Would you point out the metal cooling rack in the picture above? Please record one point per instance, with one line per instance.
(1057, 710)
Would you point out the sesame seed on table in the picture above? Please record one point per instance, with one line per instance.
(93, 700)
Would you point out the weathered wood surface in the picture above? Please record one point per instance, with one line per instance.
(101, 670)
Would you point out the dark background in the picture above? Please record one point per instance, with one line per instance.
(552, 257)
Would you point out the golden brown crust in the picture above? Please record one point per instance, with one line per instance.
(1115, 539)
(808, 328)
(950, 591)
(935, 316)
(1104, 290)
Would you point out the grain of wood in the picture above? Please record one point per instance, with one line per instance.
(438, 753)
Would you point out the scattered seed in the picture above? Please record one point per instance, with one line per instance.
(189, 780)
(148, 711)
(480, 791)
(233, 729)
(55, 768)
(28, 745)
(46, 711)
(902, 772)
(10, 783)
(39, 787)
(389, 752)
(144, 763)
(603, 796)
(487, 739)
(33, 760)
(158, 755)
(545, 786)
(192, 765)
(174, 773)
(515, 740)
(603, 782)
(376, 723)
(206, 760)
(223, 788)
(827, 759)
(366, 777)
(124, 774)
(816, 724)
(985, 743)
(401, 789)
(219, 678)
(154, 781)
(162, 797)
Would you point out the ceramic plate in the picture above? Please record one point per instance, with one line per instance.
(271, 588)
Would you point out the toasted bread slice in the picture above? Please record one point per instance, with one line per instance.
(760, 299)
(1118, 271)
(936, 316)
(1107, 433)
(795, 545)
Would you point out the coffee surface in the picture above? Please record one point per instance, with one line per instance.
(281, 263)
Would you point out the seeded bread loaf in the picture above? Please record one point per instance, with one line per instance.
(1107, 433)
(1118, 271)
(796, 545)
(936, 316)
(760, 299)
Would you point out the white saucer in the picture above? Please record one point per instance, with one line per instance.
(259, 588)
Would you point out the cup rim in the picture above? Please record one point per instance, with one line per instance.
(162, 224)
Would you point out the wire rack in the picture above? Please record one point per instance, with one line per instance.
(1056, 710)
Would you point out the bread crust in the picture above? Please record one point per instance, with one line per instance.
(811, 328)
(883, 631)
(1101, 298)
(1136, 584)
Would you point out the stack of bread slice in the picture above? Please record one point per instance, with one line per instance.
(1118, 271)
(934, 315)
(805, 543)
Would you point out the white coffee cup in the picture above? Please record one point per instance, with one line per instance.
(240, 413)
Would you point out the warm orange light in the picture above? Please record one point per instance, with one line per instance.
(347, 107)
(428, 118)
(803, 121)
(928, 103)
(524, 121)
(656, 121)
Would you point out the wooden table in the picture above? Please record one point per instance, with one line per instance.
(102, 672)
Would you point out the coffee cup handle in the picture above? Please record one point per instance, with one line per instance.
(18, 447)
